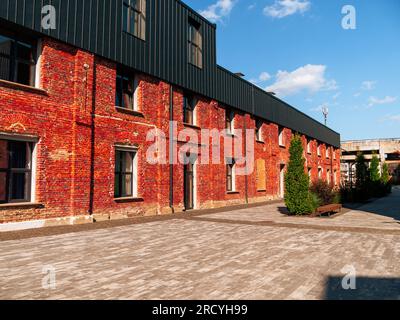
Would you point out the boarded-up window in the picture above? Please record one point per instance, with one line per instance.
(261, 175)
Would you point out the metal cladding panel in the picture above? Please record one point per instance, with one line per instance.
(277, 111)
(96, 26)
(233, 91)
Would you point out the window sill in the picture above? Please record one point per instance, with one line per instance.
(131, 112)
(260, 141)
(128, 199)
(193, 126)
(262, 190)
(21, 205)
(133, 35)
(282, 146)
(232, 192)
(196, 66)
(22, 87)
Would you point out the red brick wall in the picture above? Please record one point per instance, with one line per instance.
(76, 150)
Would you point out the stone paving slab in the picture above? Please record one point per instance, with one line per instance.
(382, 214)
(191, 258)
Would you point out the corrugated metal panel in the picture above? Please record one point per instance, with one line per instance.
(96, 26)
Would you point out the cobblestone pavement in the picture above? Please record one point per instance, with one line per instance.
(382, 214)
(230, 255)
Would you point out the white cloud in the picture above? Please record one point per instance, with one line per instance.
(309, 77)
(251, 7)
(284, 8)
(263, 77)
(357, 94)
(386, 100)
(391, 118)
(218, 10)
(395, 118)
(368, 85)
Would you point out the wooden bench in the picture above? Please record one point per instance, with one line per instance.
(330, 208)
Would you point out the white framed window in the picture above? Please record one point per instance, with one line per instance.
(319, 150)
(320, 172)
(308, 146)
(18, 58)
(328, 176)
(17, 169)
(126, 172)
(134, 18)
(281, 137)
(327, 152)
(38, 71)
(231, 176)
(189, 109)
(230, 121)
(335, 177)
(258, 130)
(309, 173)
(127, 91)
(195, 44)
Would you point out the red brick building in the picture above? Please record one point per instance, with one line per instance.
(73, 128)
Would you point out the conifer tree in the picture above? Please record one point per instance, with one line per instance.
(385, 174)
(374, 173)
(297, 195)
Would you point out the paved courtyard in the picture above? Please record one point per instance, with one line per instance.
(254, 253)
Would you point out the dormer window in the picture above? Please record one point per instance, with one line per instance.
(195, 44)
(134, 16)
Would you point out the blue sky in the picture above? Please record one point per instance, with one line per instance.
(298, 49)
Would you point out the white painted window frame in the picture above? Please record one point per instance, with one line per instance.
(35, 142)
(135, 164)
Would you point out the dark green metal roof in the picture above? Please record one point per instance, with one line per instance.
(96, 26)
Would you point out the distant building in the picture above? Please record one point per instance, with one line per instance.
(387, 150)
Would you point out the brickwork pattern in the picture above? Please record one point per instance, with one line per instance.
(78, 126)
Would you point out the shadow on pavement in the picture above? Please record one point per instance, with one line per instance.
(388, 206)
(366, 289)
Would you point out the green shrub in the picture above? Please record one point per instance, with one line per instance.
(338, 198)
(362, 174)
(385, 174)
(374, 173)
(324, 192)
(315, 201)
(297, 196)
